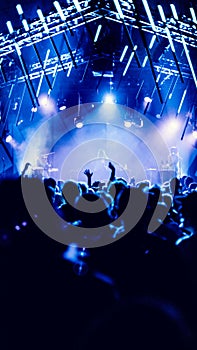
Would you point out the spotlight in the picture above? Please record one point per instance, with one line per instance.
(78, 121)
(109, 98)
(20, 122)
(34, 109)
(61, 104)
(127, 123)
(8, 138)
(194, 133)
(147, 99)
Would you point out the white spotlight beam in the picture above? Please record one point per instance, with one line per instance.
(163, 17)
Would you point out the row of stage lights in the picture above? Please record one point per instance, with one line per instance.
(120, 13)
(148, 100)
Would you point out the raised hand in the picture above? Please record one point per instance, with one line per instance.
(111, 166)
(89, 175)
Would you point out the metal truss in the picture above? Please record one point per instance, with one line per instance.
(185, 29)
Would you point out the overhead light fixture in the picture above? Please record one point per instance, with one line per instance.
(78, 122)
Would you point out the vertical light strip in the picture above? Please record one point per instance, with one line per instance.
(152, 41)
(149, 14)
(170, 39)
(162, 14)
(181, 103)
(59, 10)
(189, 61)
(77, 5)
(25, 24)
(97, 33)
(123, 53)
(129, 60)
(27, 29)
(42, 19)
(150, 47)
(174, 12)
(69, 69)
(193, 15)
(19, 9)
(42, 73)
(10, 28)
(118, 8)
(163, 17)
(54, 78)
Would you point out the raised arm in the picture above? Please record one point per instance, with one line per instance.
(113, 170)
(89, 177)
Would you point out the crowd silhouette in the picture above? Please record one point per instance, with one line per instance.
(133, 286)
